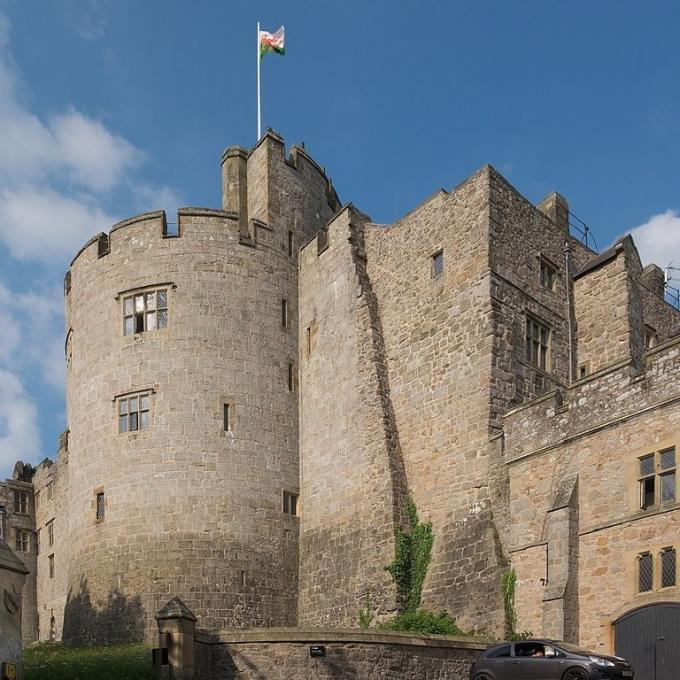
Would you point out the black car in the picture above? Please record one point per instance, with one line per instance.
(547, 660)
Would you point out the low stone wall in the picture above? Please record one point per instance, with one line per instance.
(286, 654)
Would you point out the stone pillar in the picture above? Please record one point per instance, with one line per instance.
(12, 577)
(555, 207)
(235, 185)
(653, 278)
(176, 627)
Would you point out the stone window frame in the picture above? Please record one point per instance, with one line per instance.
(22, 540)
(50, 563)
(290, 381)
(285, 320)
(543, 357)
(98, 495)
(50, 532)
(20, 501)
(655, 559)
(668, 550)
(651, 337)
(227, 417)
(68, 348)
(548, 272)
(37, 542)
(131, 294)
(647, 556)
(126, 398)
(290, 503)
(437, 264)
(227, 401)
(654, 478)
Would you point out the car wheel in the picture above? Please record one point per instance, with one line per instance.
(575, 674)
(482, 676)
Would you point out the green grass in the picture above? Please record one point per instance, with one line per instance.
(52, 661)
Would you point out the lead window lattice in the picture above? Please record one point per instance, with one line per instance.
(146, 311)
(134, 412)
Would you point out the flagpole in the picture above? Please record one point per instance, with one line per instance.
(259, 111)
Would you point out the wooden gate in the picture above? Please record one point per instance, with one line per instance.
(649, 638)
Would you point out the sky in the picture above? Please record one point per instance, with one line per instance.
(109, 108)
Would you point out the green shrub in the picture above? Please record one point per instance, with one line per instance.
(423, 621)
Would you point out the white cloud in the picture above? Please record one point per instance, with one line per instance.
(658, 239)
(19, 438)
(33, 331)
(58, 172)
(95, 157)
(41, 224)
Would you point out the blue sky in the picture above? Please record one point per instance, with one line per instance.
(109, 108)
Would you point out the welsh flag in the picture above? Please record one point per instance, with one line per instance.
(272, 42)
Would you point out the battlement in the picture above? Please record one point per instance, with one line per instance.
(564, 415)
(252, 184)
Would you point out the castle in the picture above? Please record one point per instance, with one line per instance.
(254, 395)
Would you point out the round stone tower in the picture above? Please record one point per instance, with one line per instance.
(182, 355)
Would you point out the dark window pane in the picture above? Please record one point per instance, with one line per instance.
(162, 299)
(668, 487)
(647, 493)
(668, 568)
(437, 264)
(129, 327)
(122, 406)
(129, 306)
(163, 318)
(501, 652)
(647, 465)
(645, 573)
(122, 423)
(100, 506)
(667, 459)
(144, 420)
(133, 422)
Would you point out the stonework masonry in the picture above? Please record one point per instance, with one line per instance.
(253, 398)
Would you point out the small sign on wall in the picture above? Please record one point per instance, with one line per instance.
(8, 671)
(317, 650)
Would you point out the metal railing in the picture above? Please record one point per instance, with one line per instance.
(580, 230)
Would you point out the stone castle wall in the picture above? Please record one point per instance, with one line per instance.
(13, 521)
(189, 508)
(595, 439)
(51, 486)
(357, 374)
(285, 655)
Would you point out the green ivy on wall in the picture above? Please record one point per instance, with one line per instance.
(413, 552)
(508, 586)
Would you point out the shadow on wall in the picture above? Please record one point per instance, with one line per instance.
(119, 619)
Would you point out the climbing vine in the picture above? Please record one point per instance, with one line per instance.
(508, 586)
(413, 551)
(366, 611)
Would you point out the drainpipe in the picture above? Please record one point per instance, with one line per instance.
(567, 277)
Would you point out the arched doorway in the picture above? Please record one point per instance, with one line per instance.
(649, 637)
